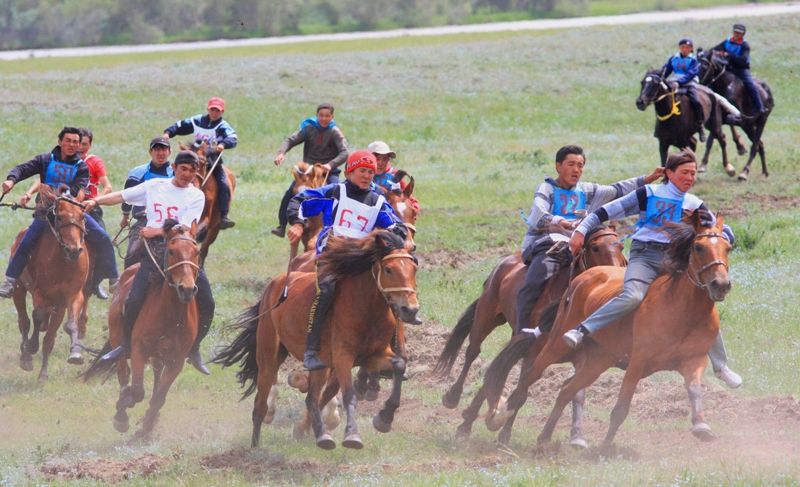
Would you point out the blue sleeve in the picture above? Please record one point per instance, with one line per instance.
(226, 135)
(667, 68)
(183, 127)
(303, 203)
(387, 218)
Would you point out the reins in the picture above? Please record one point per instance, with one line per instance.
(55, 228)
(385, 290)
(707, 266)
(164, 271)
(675, 108)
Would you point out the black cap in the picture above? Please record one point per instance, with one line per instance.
(160, 140)
(739, 28)
(187, 157)
(685, 40)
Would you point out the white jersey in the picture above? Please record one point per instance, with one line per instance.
(354, 219)
(203, 135)
(163, 200)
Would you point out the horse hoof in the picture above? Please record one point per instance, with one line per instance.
(121, 426)
(371, 395)
(765, 175)
(449, 401)
(380, 425)
(741, 151)
(269, 417)
(730, 170)
(463, 432)
(578, 443)
(702, 168)
(360, 395)
(352, 441)
(26, 365)
(42, 378)
(743, 176)
(326, 442)
(75, 359)
(703, 432)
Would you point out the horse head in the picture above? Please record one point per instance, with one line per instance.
(602, 246)
(405, 206)
(66, 216)
(396, 276)
(712, 66)
(308, 176)
(652, 86)
(181, 259)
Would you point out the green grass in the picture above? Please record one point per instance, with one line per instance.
(477, 120)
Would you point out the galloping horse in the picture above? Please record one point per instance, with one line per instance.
(713, 73)
(56, 276)
(309, 176)
(675, 119)
(164, 331)
(208, 227)
(673, 328)
(373, 275)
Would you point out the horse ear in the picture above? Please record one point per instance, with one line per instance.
(695, 219)
(720, 220)
(379, 240)
(193, 230)
(46, 192)
(699, 50)
(409, 189)
(203, 147)
(612, 225)
(182, 146)
(81, 196)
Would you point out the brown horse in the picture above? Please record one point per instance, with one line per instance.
(208, 228)
(309, 176)
(164, 331)
(713, 73)
(657, 336)
(675, 118)
(373, 275)
(56, 276)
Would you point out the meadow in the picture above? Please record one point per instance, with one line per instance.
(477, 120)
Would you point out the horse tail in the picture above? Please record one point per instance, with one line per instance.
(243, 350)
(547, 317)
(456, 339)
(495, 378)
(100, 368)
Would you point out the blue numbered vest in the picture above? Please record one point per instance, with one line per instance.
(567, 201)
(148, 175)
(680, 65)
(732, 47)
(59, 172)
(385, 180)
(662, 210)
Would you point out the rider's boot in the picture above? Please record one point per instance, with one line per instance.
(194, 356)
(279, 231)
(731, 119)
(99, 292)
(225, 223)
(698, 127)
(573, 337)
(112, 285)
(729, 377)
(311, 361)
(122, 351)
(7, 289)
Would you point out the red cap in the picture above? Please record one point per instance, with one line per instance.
(216, 102)
(361, 158)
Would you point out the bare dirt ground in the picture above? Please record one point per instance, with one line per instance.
(106, 471)
(764, 202)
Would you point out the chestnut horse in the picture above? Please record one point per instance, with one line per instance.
(659, 335)
(208, 228)
(164, 331)
(309, 176)
(56, 276)
(373, 274)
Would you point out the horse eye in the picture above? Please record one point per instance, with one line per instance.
(595, 248)
(170, 252)
(698, 248)
(414, 248)
(388, 271)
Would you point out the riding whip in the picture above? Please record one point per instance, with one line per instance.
(210, 172)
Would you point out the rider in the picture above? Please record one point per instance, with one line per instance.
(212, 128)
(158, 167)
(384, 175)
(556, 202)
(63, 165)
(323, 143)
(343, 207)
(163, 199)
(681, 72)
(647, 253)
(737, 50)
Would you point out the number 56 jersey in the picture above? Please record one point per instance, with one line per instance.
(163, 200)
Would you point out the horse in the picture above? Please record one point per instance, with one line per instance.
(713, 73)
(309, 176)
(164, 331)
(657, 336)
(208, 228)
(675, 118)
(58, 281)
(374, 275)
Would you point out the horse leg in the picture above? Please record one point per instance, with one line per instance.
(40, 315)
(54, 321)
(471, 414)
(500, 409)
(740, 148)
(330, 413)
(383, 420)
(83, 319)
(211, 237)
(718, 134)
(709, 143)
(373, 386)
(316, 381)
(764, 170)
(71, 327)
(692, 376)
(24, 324)
(167, 377)
(268, 367)
(361, 384)
(663, 148)
(632, 377)
(577, 438)
(480, 330)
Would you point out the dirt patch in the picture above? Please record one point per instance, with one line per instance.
(106, 471)
(257, 464)
(739, 208)
(457, 259)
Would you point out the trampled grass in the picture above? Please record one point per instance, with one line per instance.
(477, 121)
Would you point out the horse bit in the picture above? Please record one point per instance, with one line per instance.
(163, 269)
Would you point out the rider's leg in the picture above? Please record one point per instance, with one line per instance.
(97, 214)
(283, 219)
(541, 268)
(643, 268)
(20, 258)
(316, 318)
(333, 176)
(105, 263)
(135, 246)
(224, 197)
(752, 89)
(719, 362)
(205, 309)
(697, 108)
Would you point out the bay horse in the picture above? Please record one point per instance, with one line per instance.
(309, 176)
(164, 331)
(373, 274)
(659, 335)
(57, 276)
(208, 228)
(675, 118)
(714, 74)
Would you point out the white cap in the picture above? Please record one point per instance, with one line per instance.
(380, 147)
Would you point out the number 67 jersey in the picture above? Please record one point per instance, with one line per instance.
(163, 200)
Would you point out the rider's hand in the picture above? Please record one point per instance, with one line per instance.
(150, 232)
(23, 202)
(166, 135)
(125, 220)
(657, 173)
(576, 242)
(89, 205)
(674, 85)
(278, 159)
(566, 224)
(295, 233)
(327, 167)
(7, 186)
(220, 147)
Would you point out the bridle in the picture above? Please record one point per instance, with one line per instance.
(56, 227)
(583, 262)
(164, 268)
(696, 280)
(711, 64)
(386, 290)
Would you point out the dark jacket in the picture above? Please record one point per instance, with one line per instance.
(325, 146)
(738, 54)
(223, 130)
(687, 67)
(38, 165)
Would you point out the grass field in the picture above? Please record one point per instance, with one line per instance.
(477, 121)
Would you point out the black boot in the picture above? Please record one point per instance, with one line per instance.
(312, 362)
(733, 119)
(225, 223)
(698, 127)
(279, 231)
(194, 356)
(122, 351)
(99, 292)
(7, 290)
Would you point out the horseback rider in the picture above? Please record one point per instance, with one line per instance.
(737, 52)
(655, 205)
(350, 209)
(62, 165)
(163, 199)
(212, 128)
(323, 143)
(384, 175)
(158, 167)
(680, 71)
(557, 202)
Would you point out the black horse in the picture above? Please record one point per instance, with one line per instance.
(714, 74)
(675, 118)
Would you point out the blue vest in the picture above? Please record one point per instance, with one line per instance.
(661, 210)
(732, 47)
(148, 175)
(385, 180)
(680, 65)
(567, 201)
(59, 172)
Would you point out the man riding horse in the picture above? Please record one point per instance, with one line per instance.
(163, 199)
(350, 209)
(62, 165)
(212, 128)
(680, 72)
(557, 202)
(737, 51)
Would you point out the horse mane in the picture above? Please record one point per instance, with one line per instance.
(679, 248)
(598, 228)
(399, 175)
(345, 256)
(171, 224)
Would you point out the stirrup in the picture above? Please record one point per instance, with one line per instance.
(116, 354)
